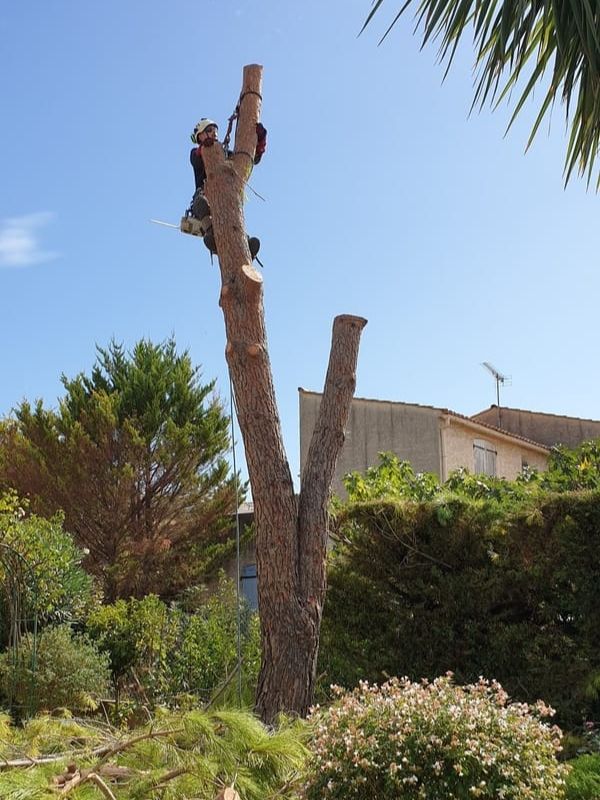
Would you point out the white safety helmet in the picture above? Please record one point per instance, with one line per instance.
(200, 127)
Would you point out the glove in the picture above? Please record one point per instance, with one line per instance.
(261, 141)
(261, 132)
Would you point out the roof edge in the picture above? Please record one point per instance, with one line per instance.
(542, 448)
(536, 413)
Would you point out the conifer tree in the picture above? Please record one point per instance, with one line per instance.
(135, 458)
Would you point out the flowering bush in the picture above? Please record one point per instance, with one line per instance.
(433, 741)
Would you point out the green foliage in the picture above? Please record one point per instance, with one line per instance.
(112, 628)
(135, 456)
(409, 572)
(176, 757)
(207, 652)
(571, 470)
(583, 781)
(66, 671)
(506, 588)
(391, 478)
(426, 741)
(42, 564)
(524, 42)
(175, 653)
(568, 470)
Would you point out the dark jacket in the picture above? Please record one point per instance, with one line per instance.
(198, 164)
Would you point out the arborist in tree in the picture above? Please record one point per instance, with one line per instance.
(205, 135)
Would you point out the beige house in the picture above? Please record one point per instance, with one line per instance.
(548, 429)
(497, 441)
(431, 439)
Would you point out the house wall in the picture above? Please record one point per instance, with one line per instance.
(457, 444)
(547, 429)
(431, 439)
(410, 431)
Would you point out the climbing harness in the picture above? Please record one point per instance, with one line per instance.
(200, 227)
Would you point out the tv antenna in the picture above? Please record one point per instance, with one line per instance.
(498, 377)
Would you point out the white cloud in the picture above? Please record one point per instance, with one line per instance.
(19, 245)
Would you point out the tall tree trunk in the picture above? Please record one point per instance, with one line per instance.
(291, 532)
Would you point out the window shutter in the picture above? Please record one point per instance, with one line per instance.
(484, 457)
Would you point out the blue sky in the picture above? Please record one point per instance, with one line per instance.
(383, 198)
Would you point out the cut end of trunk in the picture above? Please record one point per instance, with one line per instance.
(350, 319)
(252, 274)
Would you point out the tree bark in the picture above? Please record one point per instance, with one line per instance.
(291, 532)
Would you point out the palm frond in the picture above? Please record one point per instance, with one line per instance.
(549, 43)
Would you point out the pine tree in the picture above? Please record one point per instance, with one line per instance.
(135, 458)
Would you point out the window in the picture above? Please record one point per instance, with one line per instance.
(248, 585)
(484, 457)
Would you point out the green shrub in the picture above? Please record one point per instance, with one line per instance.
(206, 653)
(175, 653)
(138, 635)
(69, 672)
(111, 627)
(433, 741)
(40, 556)
(583, 782)
(418, 572)
(506, 588)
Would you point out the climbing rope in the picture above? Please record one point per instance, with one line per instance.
(234, 116)
(230, 122)
(245, 181)
(237, 546)
(226, 140)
